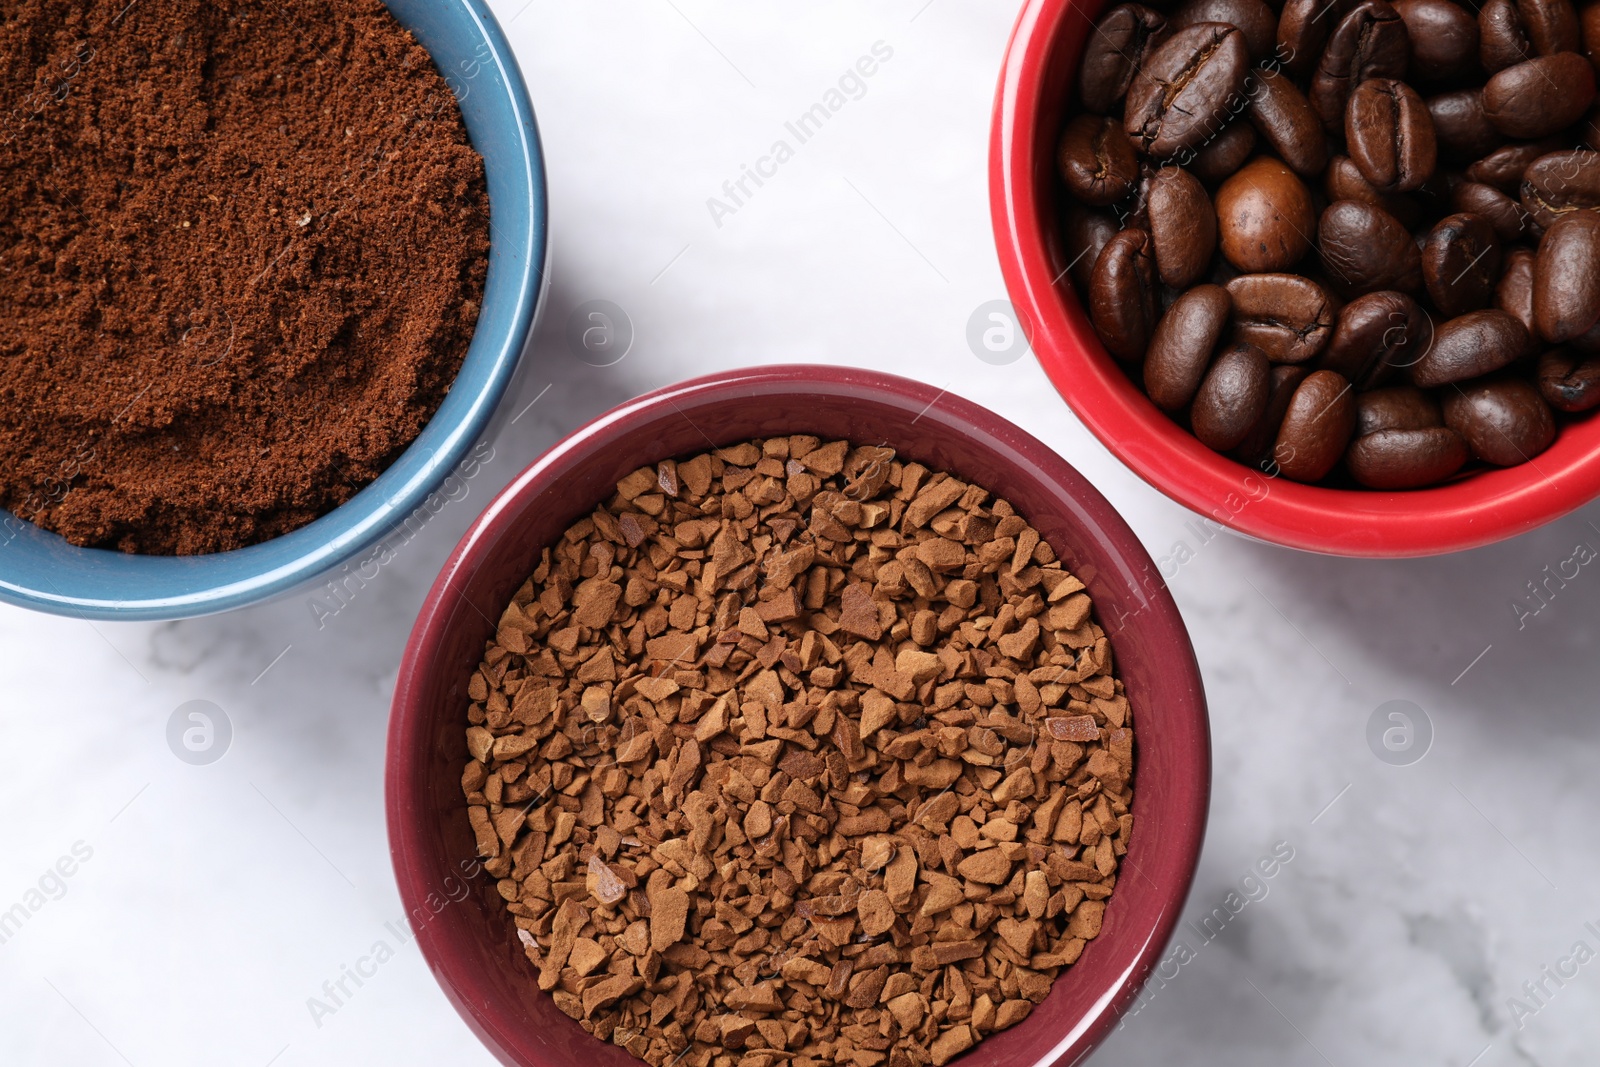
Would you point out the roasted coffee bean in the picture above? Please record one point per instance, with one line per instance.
(1537, 97)
(1470, 346)
(1514, 293)
(1316, 427)
(1568, 380)
(1505, 214)
(1589, 31)
(1122, 294)
(1566, 277)
(1256, 448)
(1461, 263)
(1287, 316)
(1254, 19)
(1183, 225)
(1444, 39)
(1231, 398)
(1344, 181)
(1503, 168)
(1369, 42)
(1405, 459)
(1551, 25)
(1096, 160)
(1587, 344)
(1503, 42)
(1396, 407)
(1264, 217)
(1390, 135)
(1085, 232)
(1179, 95)
(1180, 351)
(1366, 249)
(1119, 42)
(1224, 154)
(1303, 29)
(1561, 182)
(1503, 419)
(1283, 115)
(1460, 128)
(1376, 334)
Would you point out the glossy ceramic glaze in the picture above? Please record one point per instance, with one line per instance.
(470, 944)
(41, 570)
(1486, 506)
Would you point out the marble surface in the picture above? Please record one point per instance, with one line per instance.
(207, 906)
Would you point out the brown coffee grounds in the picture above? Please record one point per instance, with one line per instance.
(242, 249)
(797, 753)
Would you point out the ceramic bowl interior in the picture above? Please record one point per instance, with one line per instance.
(1034, 97)
(466, 935)
(41, 570)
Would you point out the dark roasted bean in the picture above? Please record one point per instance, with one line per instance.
(1506, 215)
(1180, 95)
(1085, 232)
(1503, 42)
(1264, 217)
(1183, 225)
(1566, 277)
(1253, 18)
(1303, 29)
(1561, 182)
(1224, 154)
(1405, 459)
(1316, 428)
(1376, 334)
(1568, 380)
(1256, 448)
(1231, 398)
(1537, 97)
(1503, 419)
(1551, 25)
(1283, 115)
(1587, 343)
(1460, 128)
(1096, 160)
(1444, 39)
(1396, 407)
(1461, 263)
(1366, 249)
(1589, 31)
(1514, 293)
(1122, 294)
(1390, 135)
(1287, 316)
(1344, 181)
(1471, 346)
(1369, 42)
(1118, 44)
(1503, 168)
(1180, 351)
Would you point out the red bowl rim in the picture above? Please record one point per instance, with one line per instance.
(1487, 506)
(1189, 794)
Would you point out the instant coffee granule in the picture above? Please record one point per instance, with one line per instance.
(242, 249)
(798, 752)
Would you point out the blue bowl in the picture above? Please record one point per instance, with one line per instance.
(41, 570)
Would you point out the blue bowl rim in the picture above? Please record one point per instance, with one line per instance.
(335, 537)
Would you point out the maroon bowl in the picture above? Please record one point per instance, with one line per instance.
(459, 919)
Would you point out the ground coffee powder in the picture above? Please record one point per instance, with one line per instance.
(242, 248)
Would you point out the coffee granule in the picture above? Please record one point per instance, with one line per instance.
(242, 249)
(795, 752)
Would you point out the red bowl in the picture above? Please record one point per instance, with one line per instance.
(460, 921)
(1035, 90)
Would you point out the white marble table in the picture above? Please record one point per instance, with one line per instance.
(208, 905)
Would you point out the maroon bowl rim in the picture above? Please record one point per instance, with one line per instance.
(406, 765)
